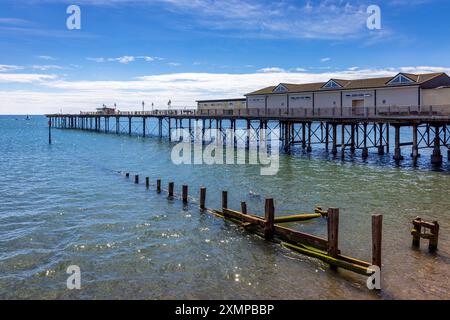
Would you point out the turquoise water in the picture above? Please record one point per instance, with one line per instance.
(67, 204)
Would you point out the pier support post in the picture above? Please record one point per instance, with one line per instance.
(129, 126)
(377, 226)
(147, 182)
(269, 219)
(365, 150)
(202, 198)
(309, 149)
(143, 126)
(343, 139)
(352, 137)
(380, 144)
(397, 151)
(333, 232)
(304, 135)
(136, 179)
(334, 148)
(415, 147)
(49, 130)
(436, 158)
(117, 125)
(327, 136)
(247, 138)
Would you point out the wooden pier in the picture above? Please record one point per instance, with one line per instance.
(338, 129)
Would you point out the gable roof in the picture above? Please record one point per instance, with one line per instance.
(369, 83)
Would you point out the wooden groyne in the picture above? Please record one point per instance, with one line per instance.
(272, 228)
(335, 128)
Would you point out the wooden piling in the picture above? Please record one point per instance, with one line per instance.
(202, 198)
(127, 175)
(158, 185)
(147, 182)
(333, 232)
(269, 219)
(377, 227)
(244, 207)
(224, 200)
(136, 179)
(434, 238)
(170, 189)
(416, 233)
(185, 193)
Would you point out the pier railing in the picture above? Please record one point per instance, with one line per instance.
(337, 112)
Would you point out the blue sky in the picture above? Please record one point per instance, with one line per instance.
(128, 51)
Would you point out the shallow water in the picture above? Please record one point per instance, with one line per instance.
(66, 204)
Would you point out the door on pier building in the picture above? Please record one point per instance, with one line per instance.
(358, 107)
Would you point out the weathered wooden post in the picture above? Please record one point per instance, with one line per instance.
(416, 232)
(377, 227)
(269, 219)
(185, 193)
(170, 191)
(333, 231)
(244, 207)
(224, 200)
(147, 182)
(202, 198)
(136, 179)
(435, 237)
(158, 186)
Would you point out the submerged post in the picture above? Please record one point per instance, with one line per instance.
(185, 193)
(202, 198)
(136, 179)
(158, 185)
(377, 226)
(269, 219)
(333, 231)
(147, 182)
(244, 207)
(170, 191)
(224, 200)
(434, 238)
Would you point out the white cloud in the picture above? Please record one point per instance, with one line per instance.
(49, 93)
(25, 77)
(9, 68)
(271, 70)
(46, 58)
(174, 64)
(125, 59)
(46, 67)
(325, 59)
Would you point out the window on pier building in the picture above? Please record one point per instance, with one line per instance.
(280, 89)
(332, 85)
(401, 79)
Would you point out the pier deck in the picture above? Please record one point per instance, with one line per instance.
(360, 128)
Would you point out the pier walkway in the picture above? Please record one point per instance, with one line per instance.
(339, 128)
